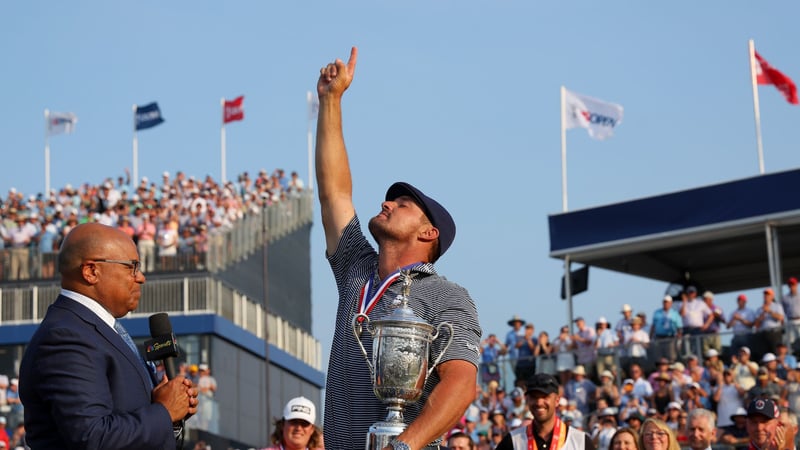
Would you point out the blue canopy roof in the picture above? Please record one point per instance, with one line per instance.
(714, 235)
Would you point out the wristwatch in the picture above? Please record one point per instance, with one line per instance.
(397, 444)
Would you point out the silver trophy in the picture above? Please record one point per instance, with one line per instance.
(399, 367)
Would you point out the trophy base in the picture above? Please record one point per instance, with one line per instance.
(381, 433)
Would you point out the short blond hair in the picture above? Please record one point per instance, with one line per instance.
(662, 426)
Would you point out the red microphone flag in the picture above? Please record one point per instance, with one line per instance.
(234, 110)
(766, 74)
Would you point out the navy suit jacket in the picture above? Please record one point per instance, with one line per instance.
(83, 388)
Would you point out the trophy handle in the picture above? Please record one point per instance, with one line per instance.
(357, 331)
(444, 350)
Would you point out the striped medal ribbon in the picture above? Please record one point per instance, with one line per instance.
(366, 303)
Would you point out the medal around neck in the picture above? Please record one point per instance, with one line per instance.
(399, 366)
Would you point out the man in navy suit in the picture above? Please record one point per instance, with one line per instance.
(81, 384)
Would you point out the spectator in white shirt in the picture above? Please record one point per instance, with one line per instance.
(694, 313)
(741, 321)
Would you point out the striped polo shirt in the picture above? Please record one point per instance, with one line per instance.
(350, 404)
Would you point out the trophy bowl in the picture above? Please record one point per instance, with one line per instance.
(400, 356)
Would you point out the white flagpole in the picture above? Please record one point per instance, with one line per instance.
(309, 101)
(135, 152)
(567, 262)
(563, 149)
(222, 141)
(756, 108)
(774, 263)
(46, 153)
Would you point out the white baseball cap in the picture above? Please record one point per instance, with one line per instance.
(300, 408)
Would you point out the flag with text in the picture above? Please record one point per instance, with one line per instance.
(61, 123)
(148, 116)
(233, 110)
(597, 116)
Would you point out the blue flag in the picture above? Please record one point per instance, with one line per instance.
(148, 116)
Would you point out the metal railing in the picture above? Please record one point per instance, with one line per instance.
(249, 234)
(225, 245)
(674, 349)
(179, 296)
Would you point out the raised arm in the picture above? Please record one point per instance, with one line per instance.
(333, 169)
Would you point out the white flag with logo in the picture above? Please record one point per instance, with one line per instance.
(598, 117)
(58, 123)
(313, 105)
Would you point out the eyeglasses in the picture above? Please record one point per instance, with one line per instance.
(298, 423)
(655, 434)
(132, 263)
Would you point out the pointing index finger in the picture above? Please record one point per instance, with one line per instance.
(351, 63)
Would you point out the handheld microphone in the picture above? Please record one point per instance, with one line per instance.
(163, 345)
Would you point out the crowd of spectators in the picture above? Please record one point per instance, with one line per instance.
(611, 376)
(618, 376)
(170, 220)
(12, 429)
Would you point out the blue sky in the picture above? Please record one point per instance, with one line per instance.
(459, 98)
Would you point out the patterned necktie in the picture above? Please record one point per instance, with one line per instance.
(123, 333)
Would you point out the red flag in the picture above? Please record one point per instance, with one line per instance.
(234, 110)
(766, 74)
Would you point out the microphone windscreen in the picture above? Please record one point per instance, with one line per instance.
(160, 325)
